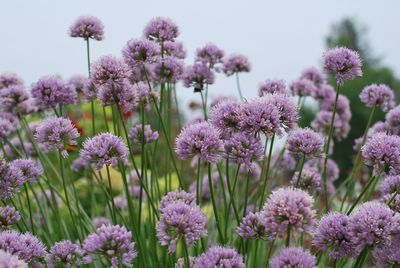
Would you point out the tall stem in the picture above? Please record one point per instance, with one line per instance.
(301, 170)
(362, 194)
(214, 204)
(265, 183)
(238, 85)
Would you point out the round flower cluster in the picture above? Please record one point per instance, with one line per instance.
(380, 95)
(236, 63)
(293, 257)
(305, 142)
(87, 27)
(271, 87)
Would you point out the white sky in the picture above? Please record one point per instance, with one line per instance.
(279, 37)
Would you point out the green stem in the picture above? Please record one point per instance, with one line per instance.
(30, 209)
(210, 182)
(288, 234)
(371, 181)
(301, 170)
(265, 183)
(238, 86)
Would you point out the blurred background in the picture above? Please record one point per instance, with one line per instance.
(280, 38)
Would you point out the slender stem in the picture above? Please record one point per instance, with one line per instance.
(362, 194)
(265, 183)
(288, 234)
(271, 247)
(30, 209)
(198, 182)
(110, 190)
(185, 254)
(238, 86)
(301, 170)
(210, 182)
(204, 104)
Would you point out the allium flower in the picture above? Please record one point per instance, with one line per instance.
(332, 169)
(288, 207)
(6, 129)
(30, 169)
(89, 90)
(380, 95)
(293, 257)
(236, 63)
(217, 256)
(272, 87)
(303, 88)
(144, 95)
(104, 149)
(114, 243)
(251, 226)
(138, 52)
(109, 70)
(12, 119)
(209, 55)
(179, 220)
(305, 142)
(342, 106)
(175, 49)
(375, 128)
(169, 69)
(120, 202)
(333, 235)
(10, 79)
(225, 116)
(161, 29)
(387, 256)
(99, 221)
(24, 246)
(77, 82)
(11, 180)
(49, 92)
(8, 216)
(288, 111)
(221, 98)
(322, 123)
(57, 133)
(202, 139)
(205, 187)
(177, 196)
(15, 99)
(310, 179)
(259, 116)
(244, 149)
(16, 143)
(390, 187)
(314, 75)
(342, 62)
(137, 135)
(373, 224)
(197, 76)
(122, 94)
(65, 254)
(254, 172)
(382, 152)
(78, 165)
(180, 263)
(8, 260)
(288, 162)
(87, 27)
(324, 92)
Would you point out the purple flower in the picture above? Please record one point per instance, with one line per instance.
(30, 169)
(373, 224)
(333, 235)
(393, 120)
(324, 92)
(380, 95)
(236, 63)
(314, 75)
(288, 111)
(288, 207)
(8, 216)
(161, 29)
(332, 169)
(303, 88)
(197, 76)
(65, 254)
(344, 63)
(104, 149)
(260, 116)
(251, 226)
(225, 116)
(15, 99)
(122, 94)
(180, 220)
(390, 187)
(109, 70)
(209, 55)
(305, 142)
(342, 106)
(175, 49)
(25, 246)
(272, 87)
(6, 129)
(221, 98)
(87, 27)
(11, 180)
(293, 257)
(144, 95)
(77, 82)
(100, 221)
(205, 187)
(180, 263)
(244, 149)
(89, 90)
(375, 128)
(8, 260)
(140, 133)
(57, 133)
(10, 79)
(177, 196)
(310, 179)
(217, 256)
(78, 165)
(382, 152)
(202, 139)
(322, 123)
(138, 52)
(169, 69)
(387, 256)
(48, 92)
(114, 243)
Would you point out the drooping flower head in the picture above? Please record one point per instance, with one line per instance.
(380, 95)
(333, 235)
(209, 55)
(382, 152)
(197, 76)
(7, 260)
(272, 87)
(8, 217)
(57, 133)
(288, 206)
(161, 29)
(293, 257)
(201, 139)
(225, 116)
(65, 254)
(109, 70)
(87, 27)
(113, 242)
(180, 220)
(305, 142)
(314, 75)
(138, 52)
(30, 169)
(10, 79)
(218, 256)
(169, 69)
(139, 134)
(104, 149)
(251, 226)
(309, 181)
(342, 62)
(236, 63)
(303, 88)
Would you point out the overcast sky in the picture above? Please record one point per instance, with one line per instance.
(279, 37)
